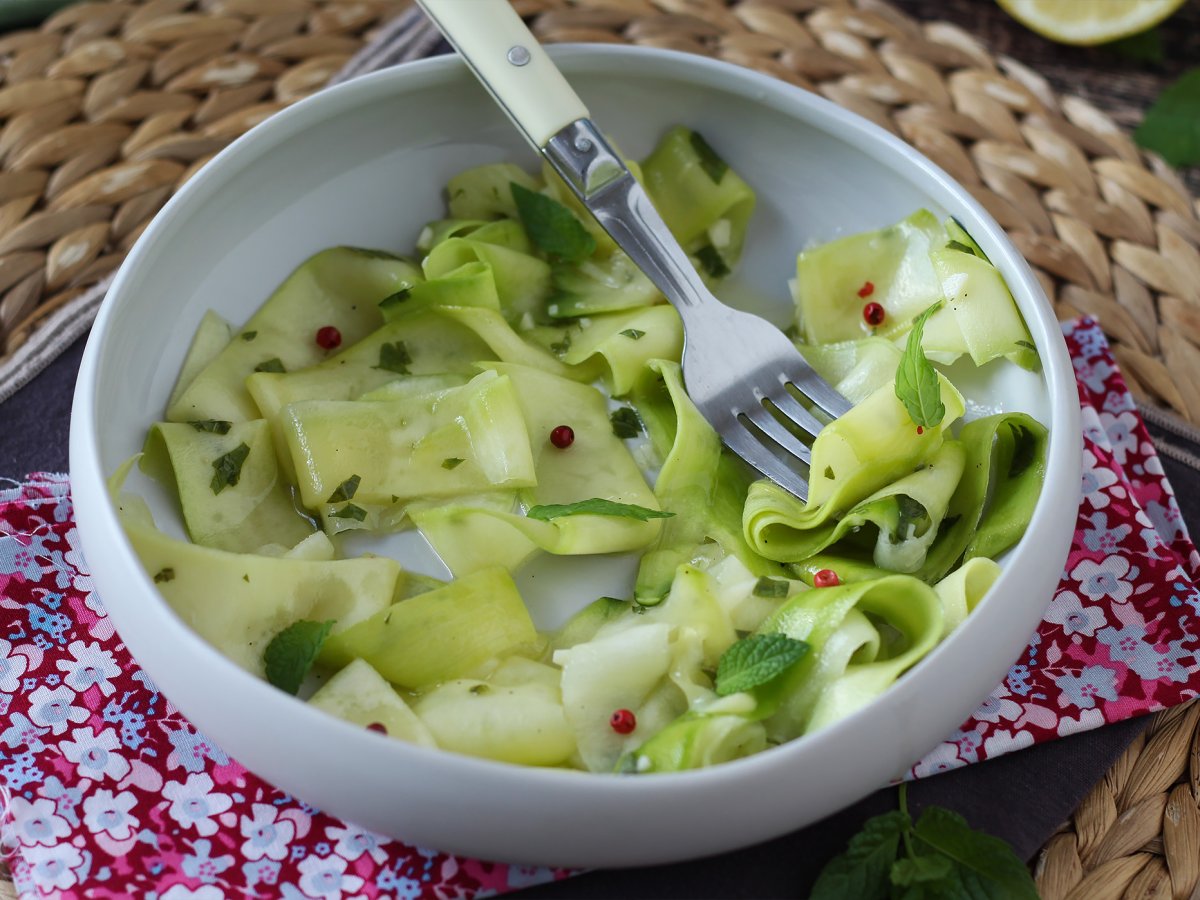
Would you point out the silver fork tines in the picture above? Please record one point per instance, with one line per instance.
(739, 369)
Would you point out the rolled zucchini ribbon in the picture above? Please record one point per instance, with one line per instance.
(861, 638)
(872, 463)
(698, 481)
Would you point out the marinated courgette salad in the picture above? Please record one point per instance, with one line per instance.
(512, 389)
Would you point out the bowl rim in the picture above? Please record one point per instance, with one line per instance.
(1049, 525)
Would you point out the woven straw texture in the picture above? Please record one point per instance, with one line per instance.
(109, 107)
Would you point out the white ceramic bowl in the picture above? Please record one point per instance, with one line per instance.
(364, 164)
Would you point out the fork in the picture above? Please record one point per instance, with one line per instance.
(742, 373)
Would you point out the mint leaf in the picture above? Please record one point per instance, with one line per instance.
(773, 588)
(710, 161)
(1171, 127)
(862, 870)
(345, 490)
(756, 660)
(1145, 46)
(451, 462)
(917, 384)
(350, 511)
(292, 653)
(395, 299)
(212, 426)
(960, 247)
(596, 507)
(249, 335)
(626, 423)
(711, 262)
(987, 866)
(275, 364)
(227, 468)
(633, 334)
(551, 226)
(922, 870)
(164, 575)
(394, 357)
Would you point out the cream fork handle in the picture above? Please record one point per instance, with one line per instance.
(512, 65)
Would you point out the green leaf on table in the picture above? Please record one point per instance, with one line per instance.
(1171, 127)
(596, 507)
(862, 870)
(756, 660)
(987, 866)
(1145, 46)
(917, 383)
(292, 653)
(551, 226)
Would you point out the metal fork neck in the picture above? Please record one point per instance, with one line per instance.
(595, 173)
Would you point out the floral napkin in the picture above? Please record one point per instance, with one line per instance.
(106, 790)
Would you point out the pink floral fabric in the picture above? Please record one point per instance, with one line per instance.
(1121, 636)
(107, 791)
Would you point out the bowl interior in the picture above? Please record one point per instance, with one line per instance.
(365, 164)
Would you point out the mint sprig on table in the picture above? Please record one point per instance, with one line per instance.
(292, 653)
(939, 857)
(596, 507)
(1171, 127)
(551, 226)
(917, 384)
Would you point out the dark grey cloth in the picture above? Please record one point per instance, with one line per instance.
(1021, 797)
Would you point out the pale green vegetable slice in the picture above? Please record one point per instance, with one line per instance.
(247, 507)
(620, 671)
(596, 465)
(360, 695)
(485, 192)
(439, 635)
(961, 590)
(705, 203)
(626, 342)
(515, 723)
(472, 283)
(585, 624)
(239, 601)
(599, 286)
(704, 486)
(522, 281)
(980, 317)
(894, 260)
(866, 449)
(855, 368)
(340, 287)
(453, 442)
(508, 346)
(723, 731)
(212, 336)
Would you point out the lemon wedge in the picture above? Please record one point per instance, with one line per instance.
(1089, 21)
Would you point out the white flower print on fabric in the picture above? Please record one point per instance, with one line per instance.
(53, 868)
(90, 665)
(1096, 478)
(1067, 610)
(12, 667)
(325, 878)
(266, 834)
(998, 706)
(1122, 434)
(105, 812)
(194, 803)
(182, 892)
(37, 822)
(1102, 580)
(95, 755)
(1006, 742)
(51, 708)
(350, 843)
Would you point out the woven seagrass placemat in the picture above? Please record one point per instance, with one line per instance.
(109, 107)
